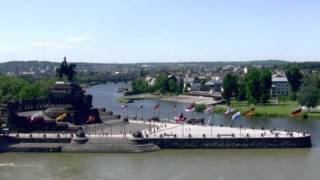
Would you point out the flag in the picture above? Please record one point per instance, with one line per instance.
(230, 110)
(33, 117)
(125, 106)
(156, 107)
(249, 112)
(296, 112)
(236, 116)
(209, 109)
(91, 119)
(180, 119)
(191, 108)
(210, 121)
(36, 118)
(62, 117)
(174, 108)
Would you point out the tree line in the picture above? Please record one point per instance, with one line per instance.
(14, 88)
(255, 86)
(162, 84)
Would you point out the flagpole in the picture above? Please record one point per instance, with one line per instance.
(240, 126)
(128, 112)
(182, 129)
(211, 123)
(142, 111)
(123, 112)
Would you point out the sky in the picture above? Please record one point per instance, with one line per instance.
(129, 31)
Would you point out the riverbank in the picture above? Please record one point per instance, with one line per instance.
(126, 99)
(282, 109)
(172, 98)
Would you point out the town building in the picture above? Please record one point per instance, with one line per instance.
(280, 86)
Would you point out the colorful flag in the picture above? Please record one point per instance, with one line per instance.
(124, 106)
(236, 116)
(156, 107)
(191, 108)
(296, 112)
(36, 118)
(181, 118)
(230, 110)
(209, 109)
(91, 119)
(62, 117)
(249, 112)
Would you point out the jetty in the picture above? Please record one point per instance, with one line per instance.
(147, 136)
(187, 136)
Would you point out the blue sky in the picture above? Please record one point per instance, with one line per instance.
(159, 30)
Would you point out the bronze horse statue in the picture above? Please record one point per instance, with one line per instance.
(67, 70)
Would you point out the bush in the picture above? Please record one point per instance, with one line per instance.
(305, 115)
(200, 107)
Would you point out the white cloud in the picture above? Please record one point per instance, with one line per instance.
(51, 45)
(69, 43)
(45, 45)
(79, 39)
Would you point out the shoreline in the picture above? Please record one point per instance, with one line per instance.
(157, 136)
(282, 110)
(172, 98)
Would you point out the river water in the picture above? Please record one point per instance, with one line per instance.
(224, 164)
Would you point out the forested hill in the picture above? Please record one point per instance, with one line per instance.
(17, 67)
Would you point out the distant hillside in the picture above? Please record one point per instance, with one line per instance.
(17, 67)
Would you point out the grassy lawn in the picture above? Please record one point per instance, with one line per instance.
(282, 109)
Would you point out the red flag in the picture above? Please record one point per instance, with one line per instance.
(296, 112)
(180, 119)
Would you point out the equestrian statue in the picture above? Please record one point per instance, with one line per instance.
(67, 70)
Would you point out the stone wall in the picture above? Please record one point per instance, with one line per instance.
(213, 143)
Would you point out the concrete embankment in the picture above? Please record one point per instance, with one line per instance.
(228, 143)
(102, 145)
(110, 145)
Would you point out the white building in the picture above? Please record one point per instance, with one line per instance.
(280, 86)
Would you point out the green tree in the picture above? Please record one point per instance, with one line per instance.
(173, 86)
(29, 92)
(309, 93)
(253, 86)
(161, 84)
(258, 85)
(14, 88)
(140, 86)
(294, 77)
(200, 107)
(242, 93)
(230, 87)
(265, 85)
(10, 87)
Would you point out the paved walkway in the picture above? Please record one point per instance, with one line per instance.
(172, 130)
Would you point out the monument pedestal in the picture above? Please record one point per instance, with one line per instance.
(70, 99)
